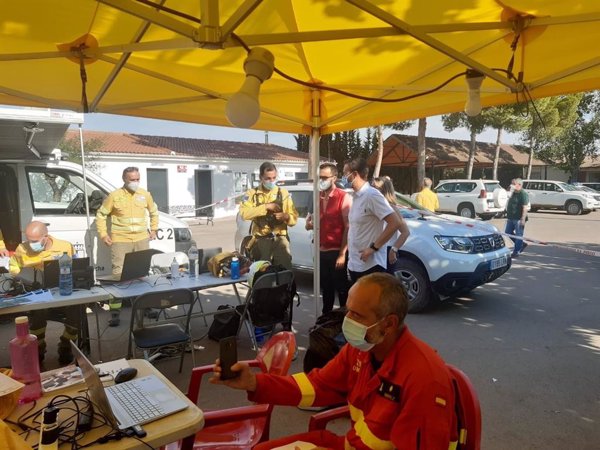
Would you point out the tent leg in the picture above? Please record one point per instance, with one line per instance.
(314, 158)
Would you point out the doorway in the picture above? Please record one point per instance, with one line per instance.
(158, 186)
(204, 194)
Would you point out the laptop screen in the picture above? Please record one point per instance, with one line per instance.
(51, 270)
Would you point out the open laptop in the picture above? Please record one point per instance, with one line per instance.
(136, 402)
(52, 271)
(135, 265)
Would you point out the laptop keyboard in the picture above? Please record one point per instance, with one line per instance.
(133, 399)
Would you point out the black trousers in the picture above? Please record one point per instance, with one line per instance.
(333, 280)
(356, 275)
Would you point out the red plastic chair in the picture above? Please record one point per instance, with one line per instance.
(468, 411)
(245, 426)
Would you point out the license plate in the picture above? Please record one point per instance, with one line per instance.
(498, 262)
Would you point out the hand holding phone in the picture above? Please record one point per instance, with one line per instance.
(228, 357)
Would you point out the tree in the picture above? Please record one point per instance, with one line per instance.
(474, 125)
(549, 118)
(504, 118)
(72, 147)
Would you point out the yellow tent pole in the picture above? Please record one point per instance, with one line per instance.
(314, 158)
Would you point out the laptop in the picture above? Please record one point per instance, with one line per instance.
(136, 402)
(135, 265)
(51, 270)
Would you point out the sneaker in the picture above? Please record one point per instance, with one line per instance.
(514, 255)
(525, 245)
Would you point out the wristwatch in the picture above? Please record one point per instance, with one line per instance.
(373, 246)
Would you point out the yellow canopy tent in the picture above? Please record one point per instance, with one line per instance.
(183, 59)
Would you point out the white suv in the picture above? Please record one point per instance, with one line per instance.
(467, 198)
(547, 194)
(440, 257)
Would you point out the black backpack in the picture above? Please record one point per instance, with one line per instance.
(224, 324)
(325, 339)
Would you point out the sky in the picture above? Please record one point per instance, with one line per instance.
(125, 124)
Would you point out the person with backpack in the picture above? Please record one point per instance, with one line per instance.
(272, 211)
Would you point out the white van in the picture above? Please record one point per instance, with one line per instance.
(51, 190)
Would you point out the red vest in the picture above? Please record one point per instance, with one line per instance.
(332, 223)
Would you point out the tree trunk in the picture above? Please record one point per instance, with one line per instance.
(530, 162)
(497, 154)
(379, 151)
(421, 148)
(471, 155)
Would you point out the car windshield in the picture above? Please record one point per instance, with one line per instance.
(491, 187)
(569, 187)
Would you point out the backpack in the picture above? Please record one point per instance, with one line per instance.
(225, 324)
(219, 265)
(325, 339)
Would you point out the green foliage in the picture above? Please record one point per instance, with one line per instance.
(72, 148)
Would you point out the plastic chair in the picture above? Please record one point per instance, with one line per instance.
(268, 302)
(468, 412)
(159, 335)
(245, 426)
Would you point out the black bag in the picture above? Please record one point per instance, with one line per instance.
(325, 339)
(273, 304)
(224, 324)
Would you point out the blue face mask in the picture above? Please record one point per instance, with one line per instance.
(356, 333)
(37, 247)
(269, 185)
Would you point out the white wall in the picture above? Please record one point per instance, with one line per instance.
(180, 175)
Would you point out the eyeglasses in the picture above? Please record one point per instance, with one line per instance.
(325, 178)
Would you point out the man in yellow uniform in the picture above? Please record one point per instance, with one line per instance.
(127, 207)
(427, 198)
(39, 247)
(271, 210)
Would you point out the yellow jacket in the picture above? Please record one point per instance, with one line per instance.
(128, 215)
(428, 199)
(2, 245)
(253, 208)
(25, 257)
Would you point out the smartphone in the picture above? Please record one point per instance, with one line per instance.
(228, 357)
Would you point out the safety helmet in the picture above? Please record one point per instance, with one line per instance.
(257, 266)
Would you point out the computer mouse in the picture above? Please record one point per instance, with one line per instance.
(126, 374)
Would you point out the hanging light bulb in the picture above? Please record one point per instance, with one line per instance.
(473, 104)
(243, 108)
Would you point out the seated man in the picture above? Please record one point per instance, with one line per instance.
(398, 389)
(40, 247)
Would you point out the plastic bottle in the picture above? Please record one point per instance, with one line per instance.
(24, 361)
(174, 268)
(193, 257)
(49, 430)
(235, 268)
(65, 280)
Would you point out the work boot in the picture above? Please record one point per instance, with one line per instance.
(115, 319)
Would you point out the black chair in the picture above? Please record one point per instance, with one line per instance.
(268, 302)
(152, 337)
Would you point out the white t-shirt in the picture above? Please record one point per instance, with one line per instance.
(369, 208)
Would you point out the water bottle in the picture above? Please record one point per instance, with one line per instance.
(193, 257)
(174, 268)
(24, 361)
(65, 280)
(235, 268)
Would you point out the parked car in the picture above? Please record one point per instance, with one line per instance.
(440, 257)
(548, 194)
(468, 198)
(592, 185)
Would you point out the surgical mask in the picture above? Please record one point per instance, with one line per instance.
(356, 333)
(133, 186)
(269, 185)
(324, 184)
(345, 182)
(38, 246)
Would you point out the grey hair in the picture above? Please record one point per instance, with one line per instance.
(427, 182)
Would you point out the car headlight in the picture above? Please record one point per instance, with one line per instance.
(456, 244)
(182, 234)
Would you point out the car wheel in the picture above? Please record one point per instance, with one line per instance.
(573, 207)
(466, 210)
(416, 282)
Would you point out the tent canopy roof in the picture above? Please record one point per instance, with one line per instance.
(185, 63)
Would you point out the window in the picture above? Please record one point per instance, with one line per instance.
(240, 182)
(57, 191)
(465, 187)
(552, 187)
(302, 201)
(446, 187)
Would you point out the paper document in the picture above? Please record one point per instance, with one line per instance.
(4, 262)
(60, 378)
(112, 367)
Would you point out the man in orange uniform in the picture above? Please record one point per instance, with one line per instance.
(398, 389)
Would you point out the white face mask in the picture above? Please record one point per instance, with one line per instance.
(324, 185)
(356, 333)
(132, 186)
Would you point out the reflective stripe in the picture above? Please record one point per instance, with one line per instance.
(306, 389)
(362, 431)
(453, 445)
(462, 437)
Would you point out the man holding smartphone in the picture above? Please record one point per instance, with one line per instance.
(399, 391)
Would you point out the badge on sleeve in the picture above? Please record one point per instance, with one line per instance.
(390, 391)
